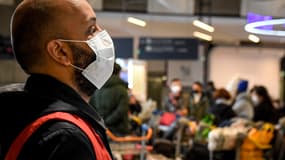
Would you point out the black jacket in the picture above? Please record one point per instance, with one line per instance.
(264, 111)
(222, 112)
(56, 139)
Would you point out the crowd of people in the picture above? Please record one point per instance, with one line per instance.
(206, 107)
(252, 104)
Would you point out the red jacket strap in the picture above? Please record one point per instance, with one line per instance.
(98, 146)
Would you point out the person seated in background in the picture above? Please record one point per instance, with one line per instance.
(174, 107)
(135, 109)
(112, 103)
(279, 108)
(134, 105)
(209, 91)
(221, 109)
(176, 101)
(263, 107)
(242, 105)
(199, 102)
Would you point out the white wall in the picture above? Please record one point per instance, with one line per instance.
(259, 66)
(187, 71)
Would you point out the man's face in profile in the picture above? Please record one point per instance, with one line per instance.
(82, 26)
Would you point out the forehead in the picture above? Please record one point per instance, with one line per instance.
(83, 9)
(176, 83)
(196, 86)
(77, 17)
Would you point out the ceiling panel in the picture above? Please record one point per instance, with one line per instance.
(170, 6)
(275, 8)
(125, 5)
(218, 7)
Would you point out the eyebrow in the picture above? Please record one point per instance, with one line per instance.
(90, 22)
(92, 19)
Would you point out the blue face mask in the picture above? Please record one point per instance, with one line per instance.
(100, 70)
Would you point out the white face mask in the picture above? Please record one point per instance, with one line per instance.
(100, 70)
(255, 100)
(197, 97)
(175, 89)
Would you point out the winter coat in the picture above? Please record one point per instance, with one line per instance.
(222, 111)
(200, 109)
(54, 140)
(243, 106)
(182, 102)
(112, 103)
(264, 111)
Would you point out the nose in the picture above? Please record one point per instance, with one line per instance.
(99, 28)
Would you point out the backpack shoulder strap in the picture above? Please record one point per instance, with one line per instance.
(98, 145)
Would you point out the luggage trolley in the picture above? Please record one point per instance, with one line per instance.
(131, 145)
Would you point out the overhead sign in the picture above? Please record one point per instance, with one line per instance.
(123, 47)
(168, 48)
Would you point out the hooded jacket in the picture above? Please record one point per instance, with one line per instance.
(112, 103)
(243, 106)
(55, 139)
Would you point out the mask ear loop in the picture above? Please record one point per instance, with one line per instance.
(65, 40)
(78, 68)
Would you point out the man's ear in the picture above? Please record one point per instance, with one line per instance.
(59, 52)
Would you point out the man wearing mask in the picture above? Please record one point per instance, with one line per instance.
(67, 56)
(199, 102)
(176, 101)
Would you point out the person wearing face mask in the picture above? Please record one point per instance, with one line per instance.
(263, 107)
(222, 109)
(174, 107)
(176, 101)
(242, 104)
(67, 56)
(199, 102)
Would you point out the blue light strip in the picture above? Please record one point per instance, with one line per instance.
(255, 27)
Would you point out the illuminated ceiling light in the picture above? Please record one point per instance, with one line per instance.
(136, 21)
(202, 36)
(203, 25)
(253, 27)
(253, 38)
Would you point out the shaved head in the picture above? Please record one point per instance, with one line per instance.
(37, 30)
(33, 25)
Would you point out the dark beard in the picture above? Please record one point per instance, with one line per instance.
(82, 59)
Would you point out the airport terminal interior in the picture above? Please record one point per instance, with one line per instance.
(205, 79)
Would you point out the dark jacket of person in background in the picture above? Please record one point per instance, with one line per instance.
(221, 109)
(176, 101)
(54, 139)
(263, 107)
(112, 103)
(199, 102)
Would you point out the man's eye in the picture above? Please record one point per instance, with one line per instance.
(92, 30)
